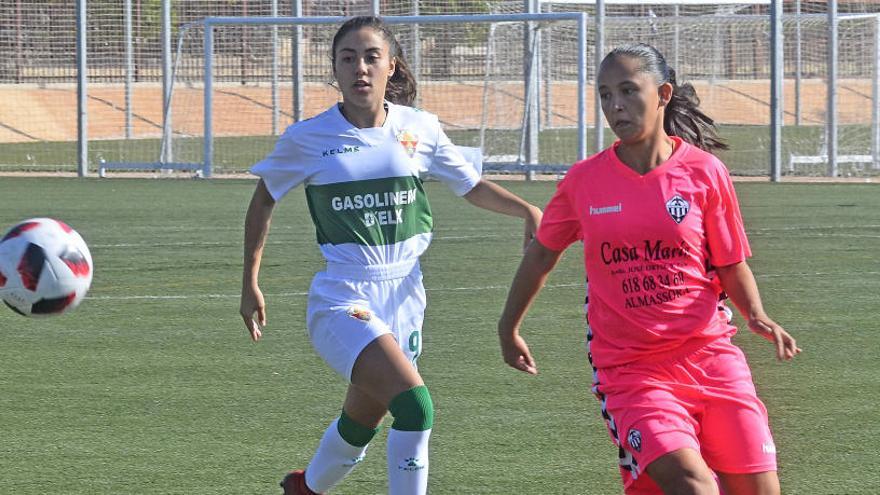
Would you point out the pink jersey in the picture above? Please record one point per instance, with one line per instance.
(649, 241)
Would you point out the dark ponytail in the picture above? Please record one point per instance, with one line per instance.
(401, 88)
(682, 117)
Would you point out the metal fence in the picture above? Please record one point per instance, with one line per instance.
(827, 97)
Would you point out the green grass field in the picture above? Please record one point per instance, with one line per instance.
(748, 155)
(152, 386)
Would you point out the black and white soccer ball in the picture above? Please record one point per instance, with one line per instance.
(45, 267)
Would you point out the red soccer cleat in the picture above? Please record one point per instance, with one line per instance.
(295, 484)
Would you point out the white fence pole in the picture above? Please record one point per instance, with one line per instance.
(582, 85)
(82, 130)
(831, 108)
(531, 90)
(129, 68)
(875, 94)
(776, 77)
(798, 68)
(416, 55)
(296, 51)
(167, 129)
(600, 53)
(209, 97)
(276, 103)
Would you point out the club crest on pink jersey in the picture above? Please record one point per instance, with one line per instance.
(678, 208)
(409, 140)
(634, 437)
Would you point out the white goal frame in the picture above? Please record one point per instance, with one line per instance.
(209, 23)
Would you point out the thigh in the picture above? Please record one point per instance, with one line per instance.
(407, 305)
(683, 471)
(343, 318)
(736, 435)
(766, 483)
(646, 419)
(382, 371)
(341, 333)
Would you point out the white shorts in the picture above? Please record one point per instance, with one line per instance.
(351, 305)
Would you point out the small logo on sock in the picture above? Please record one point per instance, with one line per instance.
(412, 464)
(354, 461)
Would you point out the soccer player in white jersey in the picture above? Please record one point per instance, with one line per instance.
(360, 162)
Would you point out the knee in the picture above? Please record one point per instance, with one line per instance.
(683, 473)
(413, 410)
(689, 482)
(698, 482)
(766, 483)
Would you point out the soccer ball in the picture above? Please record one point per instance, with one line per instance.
(45, 267)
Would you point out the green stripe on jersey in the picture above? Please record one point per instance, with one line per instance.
(372, 212)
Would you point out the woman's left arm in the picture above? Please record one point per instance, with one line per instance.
(492, 197)
(739, 283)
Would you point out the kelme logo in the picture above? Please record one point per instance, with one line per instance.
(341, 150)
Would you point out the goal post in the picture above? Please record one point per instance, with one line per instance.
(477, 85)
(845, 138)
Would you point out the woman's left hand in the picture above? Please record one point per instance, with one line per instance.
(786, 347)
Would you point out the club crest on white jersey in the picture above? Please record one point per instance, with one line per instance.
(409, 140)
(678, 208)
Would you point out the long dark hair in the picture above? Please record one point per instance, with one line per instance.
(683, 117)
(401, 88)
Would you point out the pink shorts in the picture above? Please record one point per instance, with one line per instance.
(704, 400)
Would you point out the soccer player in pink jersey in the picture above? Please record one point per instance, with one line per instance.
(657, 214)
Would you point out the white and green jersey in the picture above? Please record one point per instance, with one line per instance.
(363, 186)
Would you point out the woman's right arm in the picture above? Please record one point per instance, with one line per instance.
(536, 264)
(256, 228)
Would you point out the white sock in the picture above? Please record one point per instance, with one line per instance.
(408, 462)
(333, 460)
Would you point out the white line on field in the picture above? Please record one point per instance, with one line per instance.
(813, 274)
(297, 294)
(811, 227)
(809, 231)
(430, 289)
(188, 296)
(310, 240)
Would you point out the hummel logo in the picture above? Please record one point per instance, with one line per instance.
(602, 210)
(768, 448)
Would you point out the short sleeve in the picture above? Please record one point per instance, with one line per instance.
(560, 225)
(450, 166)
(725, 231)
(283, 169)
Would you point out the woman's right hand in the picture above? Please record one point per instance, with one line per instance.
(516, 353)
(253, 311)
